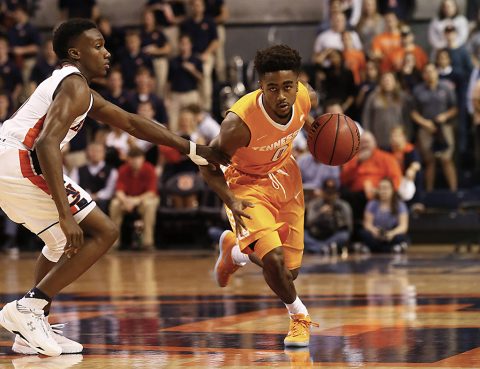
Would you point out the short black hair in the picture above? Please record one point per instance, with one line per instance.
(276, 58)
(67, 32)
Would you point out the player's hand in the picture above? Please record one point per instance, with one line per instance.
(237, 207)
(213, 155)
(73, 234)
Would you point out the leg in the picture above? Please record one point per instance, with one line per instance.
(116, 214)
(278, 278)
(450, 173)
(148, 211)
(101, 234)
(429, 175)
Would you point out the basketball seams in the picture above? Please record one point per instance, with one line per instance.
(353, 138)
(335, 141)
(318, 134)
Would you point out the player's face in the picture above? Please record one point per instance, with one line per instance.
(92, 54)
(279, 91)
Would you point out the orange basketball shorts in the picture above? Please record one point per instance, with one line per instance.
(278, 214)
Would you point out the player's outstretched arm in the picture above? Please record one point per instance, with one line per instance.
(234, 134)
(145, 129)
(71, 100)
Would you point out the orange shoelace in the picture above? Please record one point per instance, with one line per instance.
(303, 325)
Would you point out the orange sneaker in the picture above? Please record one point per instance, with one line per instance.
(225, 265)
(299, 331)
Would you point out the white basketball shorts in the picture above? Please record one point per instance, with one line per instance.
(25, 198)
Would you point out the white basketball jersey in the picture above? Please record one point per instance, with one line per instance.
(26, 124)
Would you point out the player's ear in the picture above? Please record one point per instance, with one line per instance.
(73, 53)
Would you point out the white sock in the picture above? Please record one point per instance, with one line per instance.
(32, 303)
(239, 257)
(297, 307)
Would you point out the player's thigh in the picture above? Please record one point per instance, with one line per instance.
(98, 225)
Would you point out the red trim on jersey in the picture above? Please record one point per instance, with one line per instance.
(34, 132)
(26, 167)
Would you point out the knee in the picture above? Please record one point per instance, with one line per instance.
(274, 261)
(294, 273)
(110, 233)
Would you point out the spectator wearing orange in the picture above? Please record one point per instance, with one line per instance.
(354, 58)
(394, 60)
(361, 175)
(384, 43)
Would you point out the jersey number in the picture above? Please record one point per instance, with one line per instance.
(279, 152)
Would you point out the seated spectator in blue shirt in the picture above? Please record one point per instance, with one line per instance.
(24, 41)
(115, 93)
(114, 38)
(156, 45)
(45, 65)
(203, 31)
(328, 222)
(133, 58)
(10, 76)
(5, 108)
(167, 12)
(144, 93)
(79, 9)
(385, 221)
(185, 72)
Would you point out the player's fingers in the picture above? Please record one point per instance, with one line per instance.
(244, 215)
(240, 222)
(248, 204)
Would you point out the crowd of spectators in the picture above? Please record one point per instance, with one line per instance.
(418, 104)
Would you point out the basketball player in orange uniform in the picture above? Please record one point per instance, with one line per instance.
(262, 188)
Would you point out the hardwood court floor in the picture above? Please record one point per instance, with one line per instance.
(164, 311)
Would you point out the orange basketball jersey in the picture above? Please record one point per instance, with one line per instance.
(270, 143)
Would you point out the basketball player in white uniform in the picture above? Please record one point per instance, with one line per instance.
(35, 193)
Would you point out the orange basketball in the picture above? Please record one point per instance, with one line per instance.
(333, 139)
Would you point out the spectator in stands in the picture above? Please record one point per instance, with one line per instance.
(144, 83)
(169, 14)
(394, 60)
(361, 175)
(45, 65)
(403, 9)
(5, 107)
(203, 32)
(370, 25)
(136, 191)
(336, 80)
(384, 43)
(328, 222)
(475, 103)
(79, 9)
(25, 42)
(385, 108)
(332, 37)
(114, 38)
(133, 58)
(170, 161)
(409, 160)
(354, 58)
(369, 84)
(10, 76)
(462, 66)
(119, 143)
(156, 45)
(97, 177)
(218, 10)
(115, 93)
(409, 76)
(185, 73)
(435, 107)
(386, 221)
(352, 10)
(206, 127)
(448, 15)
